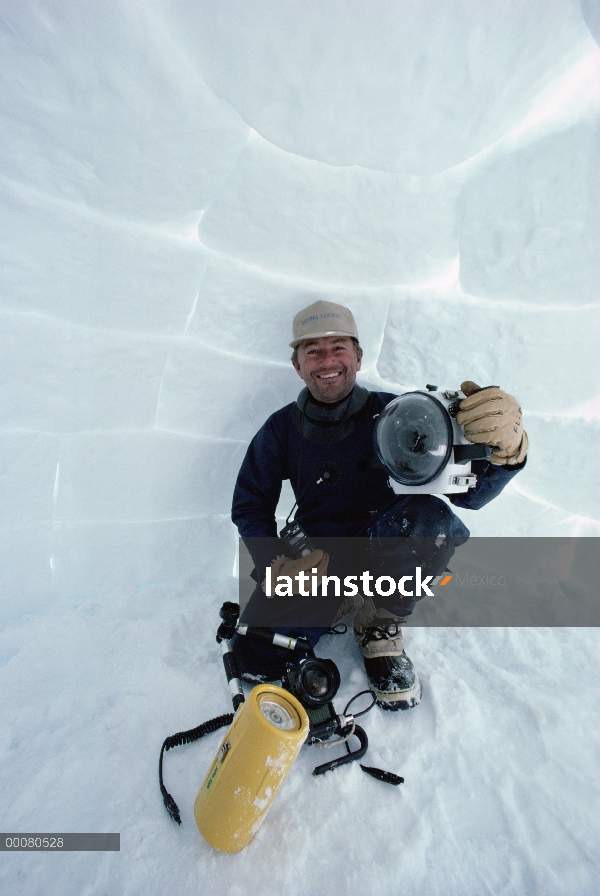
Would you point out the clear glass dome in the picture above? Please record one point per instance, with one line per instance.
(413, 438)
(277, 713)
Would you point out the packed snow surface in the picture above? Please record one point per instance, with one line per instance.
(177, 180)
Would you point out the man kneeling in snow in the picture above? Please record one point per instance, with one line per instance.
(323, 443)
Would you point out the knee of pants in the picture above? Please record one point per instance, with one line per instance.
(419, 516)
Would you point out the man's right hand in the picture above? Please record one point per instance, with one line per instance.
(283, 566)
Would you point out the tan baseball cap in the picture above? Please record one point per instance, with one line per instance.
(323, 319)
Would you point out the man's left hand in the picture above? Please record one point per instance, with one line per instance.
(491, 416)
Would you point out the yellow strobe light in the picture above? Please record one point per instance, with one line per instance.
(251, 764)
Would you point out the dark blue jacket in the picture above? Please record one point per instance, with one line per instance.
(295, 445)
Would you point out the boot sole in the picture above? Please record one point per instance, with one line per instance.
(395, 702)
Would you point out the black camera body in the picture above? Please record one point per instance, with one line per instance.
(314, 682)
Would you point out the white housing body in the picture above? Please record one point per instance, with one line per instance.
(454, 477)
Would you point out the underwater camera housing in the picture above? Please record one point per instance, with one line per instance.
(420, 444)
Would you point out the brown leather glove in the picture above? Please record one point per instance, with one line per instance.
(493, 417)
(283, 566)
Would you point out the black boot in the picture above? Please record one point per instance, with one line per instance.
(391, 674)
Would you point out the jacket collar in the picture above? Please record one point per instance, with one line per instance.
(321, 414)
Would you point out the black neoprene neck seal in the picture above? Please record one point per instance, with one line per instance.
(320, 413)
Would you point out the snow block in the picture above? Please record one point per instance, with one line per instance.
(64, 261)
(212, 394)
(28, 469)
(332, 226)
(249, 313)
(91, 559)
(63, 378)
(529, 226)
(133, 477)
(447, 337)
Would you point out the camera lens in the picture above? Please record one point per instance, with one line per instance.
(317, 681)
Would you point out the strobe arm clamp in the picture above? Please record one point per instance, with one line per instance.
(229, 613)
(268, 636)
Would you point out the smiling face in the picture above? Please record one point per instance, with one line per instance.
(328, 365)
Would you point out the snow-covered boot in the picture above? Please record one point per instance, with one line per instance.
(391, 674)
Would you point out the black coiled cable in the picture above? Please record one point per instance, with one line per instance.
(186, 737)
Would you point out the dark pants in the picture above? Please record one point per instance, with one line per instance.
(416, 531)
